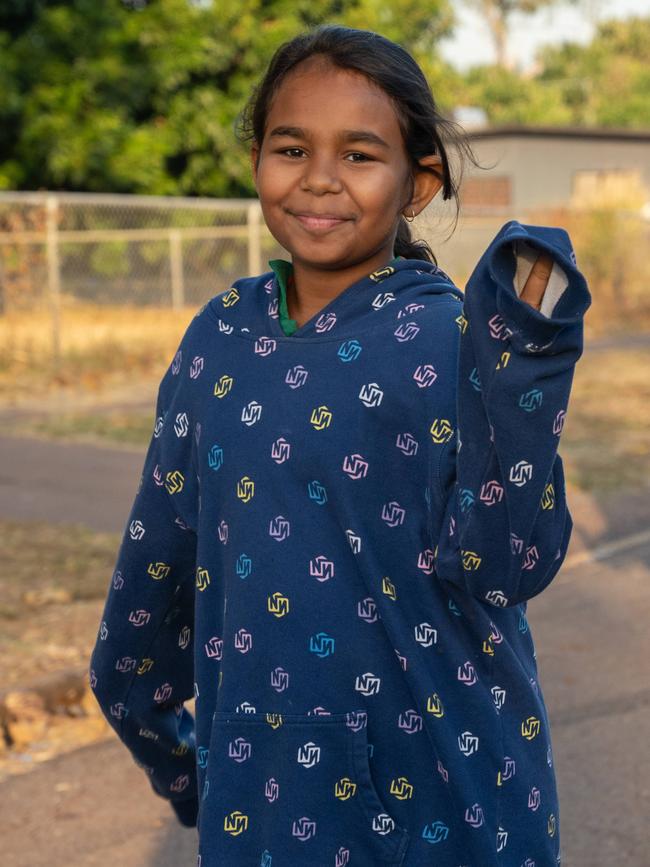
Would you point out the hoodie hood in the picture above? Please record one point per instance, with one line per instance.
(379, 299)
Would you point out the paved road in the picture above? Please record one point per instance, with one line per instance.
(94, 806)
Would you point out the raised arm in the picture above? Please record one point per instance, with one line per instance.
(506, 525)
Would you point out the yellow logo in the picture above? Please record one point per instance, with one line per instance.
(278, 604)
(503, 362)
(158, 570)
(461, 321)
(344, 788)
(381, 273)
(388, 588)
(235, 823)
(245, 489)
(471, 560)
(401, 788)
(274, 720)
(434, 705)
(145, 666)
(321, 418)
(202, 578)
(441, 430)
(548, 497)
(230, 298)
(174, 481)
(530, 728)
(488, 647)
(223, 385)
(551, 825)
(182, 749)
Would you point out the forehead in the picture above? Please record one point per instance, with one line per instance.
(322, 99)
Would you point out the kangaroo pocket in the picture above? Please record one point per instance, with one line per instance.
(294, 790)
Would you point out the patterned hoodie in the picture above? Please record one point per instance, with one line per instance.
(331, 550)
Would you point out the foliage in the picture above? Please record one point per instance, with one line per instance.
(141, 97)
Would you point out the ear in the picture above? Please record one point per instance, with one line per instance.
(426, 184)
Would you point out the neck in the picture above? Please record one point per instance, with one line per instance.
(312, 288)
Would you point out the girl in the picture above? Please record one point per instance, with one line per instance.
(351, 491)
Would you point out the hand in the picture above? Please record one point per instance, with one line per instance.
(533, 291)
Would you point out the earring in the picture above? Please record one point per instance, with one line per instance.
(412, 217)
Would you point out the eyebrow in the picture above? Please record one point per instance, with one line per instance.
(347, 135)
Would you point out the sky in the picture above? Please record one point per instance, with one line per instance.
(471, 44)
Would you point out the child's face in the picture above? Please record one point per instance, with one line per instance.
(366, 184)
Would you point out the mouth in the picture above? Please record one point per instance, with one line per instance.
(319, 223)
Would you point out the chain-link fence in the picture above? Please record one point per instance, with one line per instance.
(65, 251)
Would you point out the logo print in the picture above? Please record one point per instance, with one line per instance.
(382, 823)
(393, 514)
(309, 755)
(407, 331)
(534, 798)
(367, 610)
(202, 578)
(304, 828)
(235, 823)
(265, 346)
(181, 425)
(367, 684)
(531, 400)
(214, 647)
(497, 597)
(507, 772)
(471, 560)
(245, 489)
(467, 743)
(498, 328)
(215, 457)
(325, 322)
(356, 466)
(229, 298)
(317, 493)
(410, 722)
(280, 450)
(321, 418)
(321, 644)
(279, 679)
(558, 424)
(158, 570)
(139, 618)
(474, 380)
(296, 376)
(521, 472)
(530, 728)
(401, 788)
(503, 361)
(441, 430)
(321, 568)
(243, 640)
(344, 789)
(435, 832)
(278, 604)
(174, 481)
(279, 528)
(407, 443)
(491, 493)
(425, 375)
(474, 815)
(196, 367)
(434, 705)
(239, 750)
(388, 588)
(223, 385)
(371, 394)
(467, 673)
(349, 351)
(548, 497)
(425, 634)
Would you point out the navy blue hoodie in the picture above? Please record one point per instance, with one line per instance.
(331, 549)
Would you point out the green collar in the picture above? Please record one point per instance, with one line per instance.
(283, 270)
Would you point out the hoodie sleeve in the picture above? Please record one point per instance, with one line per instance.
(506, 525)
(141, 668)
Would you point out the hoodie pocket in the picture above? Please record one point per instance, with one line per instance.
(294, 790)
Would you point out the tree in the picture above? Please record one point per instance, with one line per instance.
(140, 96)
(497, 14)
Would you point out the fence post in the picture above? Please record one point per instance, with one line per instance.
(254, 214)
(54, 274)
(176, 268)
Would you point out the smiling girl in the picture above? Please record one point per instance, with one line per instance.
(351, 492)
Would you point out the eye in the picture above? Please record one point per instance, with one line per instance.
(364, 156)
(286, 150)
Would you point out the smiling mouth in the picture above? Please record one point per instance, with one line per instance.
(319, 224)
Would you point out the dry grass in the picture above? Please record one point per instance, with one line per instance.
(101, 348)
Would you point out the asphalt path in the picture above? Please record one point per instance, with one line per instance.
(94, 806)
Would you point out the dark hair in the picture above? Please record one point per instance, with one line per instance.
(424, 129)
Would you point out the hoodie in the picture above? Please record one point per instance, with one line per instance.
(332, 547)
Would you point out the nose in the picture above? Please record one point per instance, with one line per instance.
(320, 174)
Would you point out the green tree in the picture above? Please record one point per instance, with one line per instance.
(141, 97)
(497, 14)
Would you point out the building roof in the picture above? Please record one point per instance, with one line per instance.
(574, 132)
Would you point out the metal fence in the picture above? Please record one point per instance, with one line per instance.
(62, 249)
